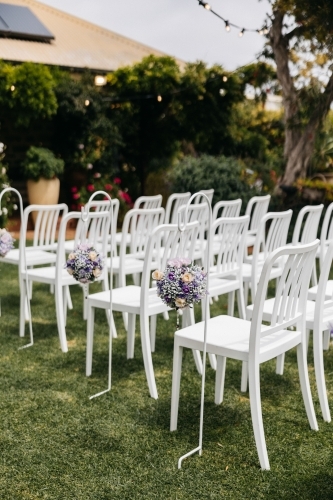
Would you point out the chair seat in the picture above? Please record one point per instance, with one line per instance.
(127, 299)
(312, 294)
(229, 336)
(48, 275)
(223, 285)
(34, 257)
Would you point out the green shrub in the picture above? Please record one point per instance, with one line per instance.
(41, 162)
(226, 175)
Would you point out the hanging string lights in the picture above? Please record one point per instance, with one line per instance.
(228, 25)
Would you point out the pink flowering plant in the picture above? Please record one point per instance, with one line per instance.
(6, 242)
(181, 284)
(101, 182)
(85, 264)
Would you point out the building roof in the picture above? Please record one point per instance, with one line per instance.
(77, 43)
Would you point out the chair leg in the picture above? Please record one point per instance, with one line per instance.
(307, 339)
(245, 373)
(131, 336)
(246, 292)
(153, 320)
(219, 379)
(69, 298)
(314, 280)
(176, 374)
(305, 386)
(166, 315)
(241, 303)
(280, 364)
(187, 320)
(125, 320)
(147, 359)
(320, 375)
(23, 307)
(60, 317)
(231, 303)
(326, 340)
(256, 414)
(64, 304)
(90, 338)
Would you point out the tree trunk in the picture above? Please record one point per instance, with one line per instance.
(299, 143)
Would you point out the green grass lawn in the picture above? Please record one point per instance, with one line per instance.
(57, 444)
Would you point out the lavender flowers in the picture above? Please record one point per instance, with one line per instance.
(182, 284)
(85, 264)
(6, 242)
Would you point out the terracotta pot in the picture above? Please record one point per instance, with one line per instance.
(43, 192)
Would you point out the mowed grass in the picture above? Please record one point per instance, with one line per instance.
(55, 443)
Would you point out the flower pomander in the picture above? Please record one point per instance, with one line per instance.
(6, 242)
(85, 264)
(181, 284)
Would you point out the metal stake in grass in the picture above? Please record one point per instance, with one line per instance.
(25, 263)
(181, 228)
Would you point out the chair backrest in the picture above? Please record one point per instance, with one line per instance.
(95, 223)
(230, 208)
(269, 240)
(289, 307)
(200, 199)
(321, 303)
(139, 224)
(256, 208)
(306, 227)
(148, 201)
(46, 223)
(175, 201)
(326, 233)
(197, 212)
(177, 244)
(230, 234)
(95, 234)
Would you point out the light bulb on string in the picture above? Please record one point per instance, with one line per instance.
(86, 102)
(159, 98)
(261, 32)
(266, 30)
(241, 33)
(204, 4)
(227, 26)
(225, 78)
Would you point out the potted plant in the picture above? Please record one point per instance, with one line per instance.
(42, 170)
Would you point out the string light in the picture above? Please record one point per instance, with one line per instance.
(204, 4)
(12, 88)
(159, 98)
(263, 31)
(225, 78)
(86, 102)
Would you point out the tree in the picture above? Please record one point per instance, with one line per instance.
(306, 98)
(157, 108)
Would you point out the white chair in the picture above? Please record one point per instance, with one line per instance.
(326, 234)
(271, 234)
(138, 225)
(230, 208)
(306, 229)
(319, 318)
(141, 202)
(58, 277)
(97, 206)
(226, 273)
(175, 201)
(43, 248)
(256, 208)
(254, 343)
(143, 301)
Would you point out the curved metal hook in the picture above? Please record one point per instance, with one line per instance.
(85, 215)
(19, 197)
